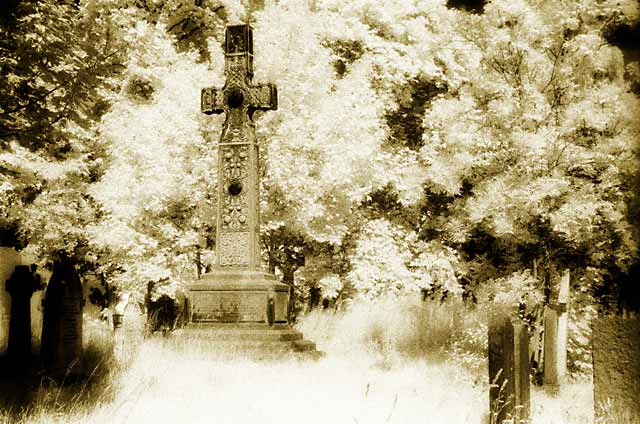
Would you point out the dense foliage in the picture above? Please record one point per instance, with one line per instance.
(417, 145)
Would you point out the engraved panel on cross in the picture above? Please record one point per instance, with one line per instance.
(234, 248)
(236, 71)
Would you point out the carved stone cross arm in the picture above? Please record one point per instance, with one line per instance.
(259, 97)
(212, 100)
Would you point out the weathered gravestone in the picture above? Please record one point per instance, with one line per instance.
(509, 370)
(61, 345)
(555, 335)
(21, 286)
(9, 258)
(128, 328)
(616, 368)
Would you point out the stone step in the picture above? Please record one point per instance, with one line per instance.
(303, 345)
(221, 326)
(241, 334)
(257, 341)
(267, 347)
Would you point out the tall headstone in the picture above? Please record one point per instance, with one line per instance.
(555, 335)
(22, 284)
(616, 369)
(237, 290)
(509, 369)
(9, 259)
(61, 346)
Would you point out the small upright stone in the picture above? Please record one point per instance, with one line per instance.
(9, 259)
(555, 335)
(509, 370)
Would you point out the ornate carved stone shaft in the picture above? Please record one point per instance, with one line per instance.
(238, 215)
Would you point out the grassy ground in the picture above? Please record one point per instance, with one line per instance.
(423, 365)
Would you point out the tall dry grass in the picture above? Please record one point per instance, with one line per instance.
(403, 329)
(30, 394)
(392, 361)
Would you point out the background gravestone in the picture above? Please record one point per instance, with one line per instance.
(509, 369)
(9, 258)
(21, 286)
(128, 328)
(555, 335)
(616, 365)
(61, 346)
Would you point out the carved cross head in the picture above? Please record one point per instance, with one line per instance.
(239, 92)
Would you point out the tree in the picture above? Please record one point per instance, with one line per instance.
(535, 151)
(157, 192)
(56, 68)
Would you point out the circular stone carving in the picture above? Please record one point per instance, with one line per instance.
(235, 98)
(242, 219)
(235, 188)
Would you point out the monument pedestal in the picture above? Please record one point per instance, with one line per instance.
(235, 296)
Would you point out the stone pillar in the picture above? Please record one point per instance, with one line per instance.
(21, 286)
(555, 335)
(9, 258)
(61, 347)
(509, 370)
(616, 369)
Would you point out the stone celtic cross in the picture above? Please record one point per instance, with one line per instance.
(238, 213)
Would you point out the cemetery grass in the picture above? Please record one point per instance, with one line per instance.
(424, 365)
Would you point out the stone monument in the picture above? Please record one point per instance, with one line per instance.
(509, 369)
(9, 259)
(238, 290)
(22, 284)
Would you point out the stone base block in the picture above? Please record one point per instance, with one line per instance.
(237, 297)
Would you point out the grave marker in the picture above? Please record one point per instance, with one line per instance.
(61, 347)
(21, 285)
(9, 258)
(509, 369)
(555, 335)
